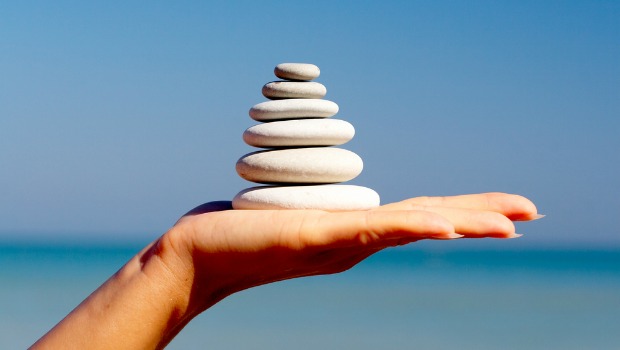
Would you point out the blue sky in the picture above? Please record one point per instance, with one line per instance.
(117, 117)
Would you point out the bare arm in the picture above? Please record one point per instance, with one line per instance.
(213, 252)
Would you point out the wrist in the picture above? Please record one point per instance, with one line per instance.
(167, 266)
(172, 264)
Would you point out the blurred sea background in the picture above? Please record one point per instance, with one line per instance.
(118, 117)
(428, 297)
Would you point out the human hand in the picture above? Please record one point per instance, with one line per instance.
(225, 251)
(213, 251)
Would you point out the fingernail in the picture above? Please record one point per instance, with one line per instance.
(514, 235)
(447, 236)
(538, 216)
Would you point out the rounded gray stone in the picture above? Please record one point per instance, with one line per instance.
(322, 197)
(294, 89)
(299, 132)
(297, 71)
(300, 165)
(293, 109)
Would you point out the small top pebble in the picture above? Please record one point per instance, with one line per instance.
(297, 71)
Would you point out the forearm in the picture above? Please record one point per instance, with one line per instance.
(143, 306)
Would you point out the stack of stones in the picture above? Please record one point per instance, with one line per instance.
(299, 164)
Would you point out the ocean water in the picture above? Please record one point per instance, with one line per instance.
(414, 297)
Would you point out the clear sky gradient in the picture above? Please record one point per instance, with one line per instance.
(117, 117)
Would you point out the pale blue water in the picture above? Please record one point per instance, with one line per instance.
(408, 298)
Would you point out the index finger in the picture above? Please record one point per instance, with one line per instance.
(515, 207)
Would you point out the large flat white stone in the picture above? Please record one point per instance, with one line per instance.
(294, 89)
(293, 109)
(300, 165)
(297, 71)
(323, 197)
(299, 132)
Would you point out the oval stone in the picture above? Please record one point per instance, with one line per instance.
(297, 71)
(300, 165)
(300, 132)
(293, 109)
(294, 89)
(322, 197)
